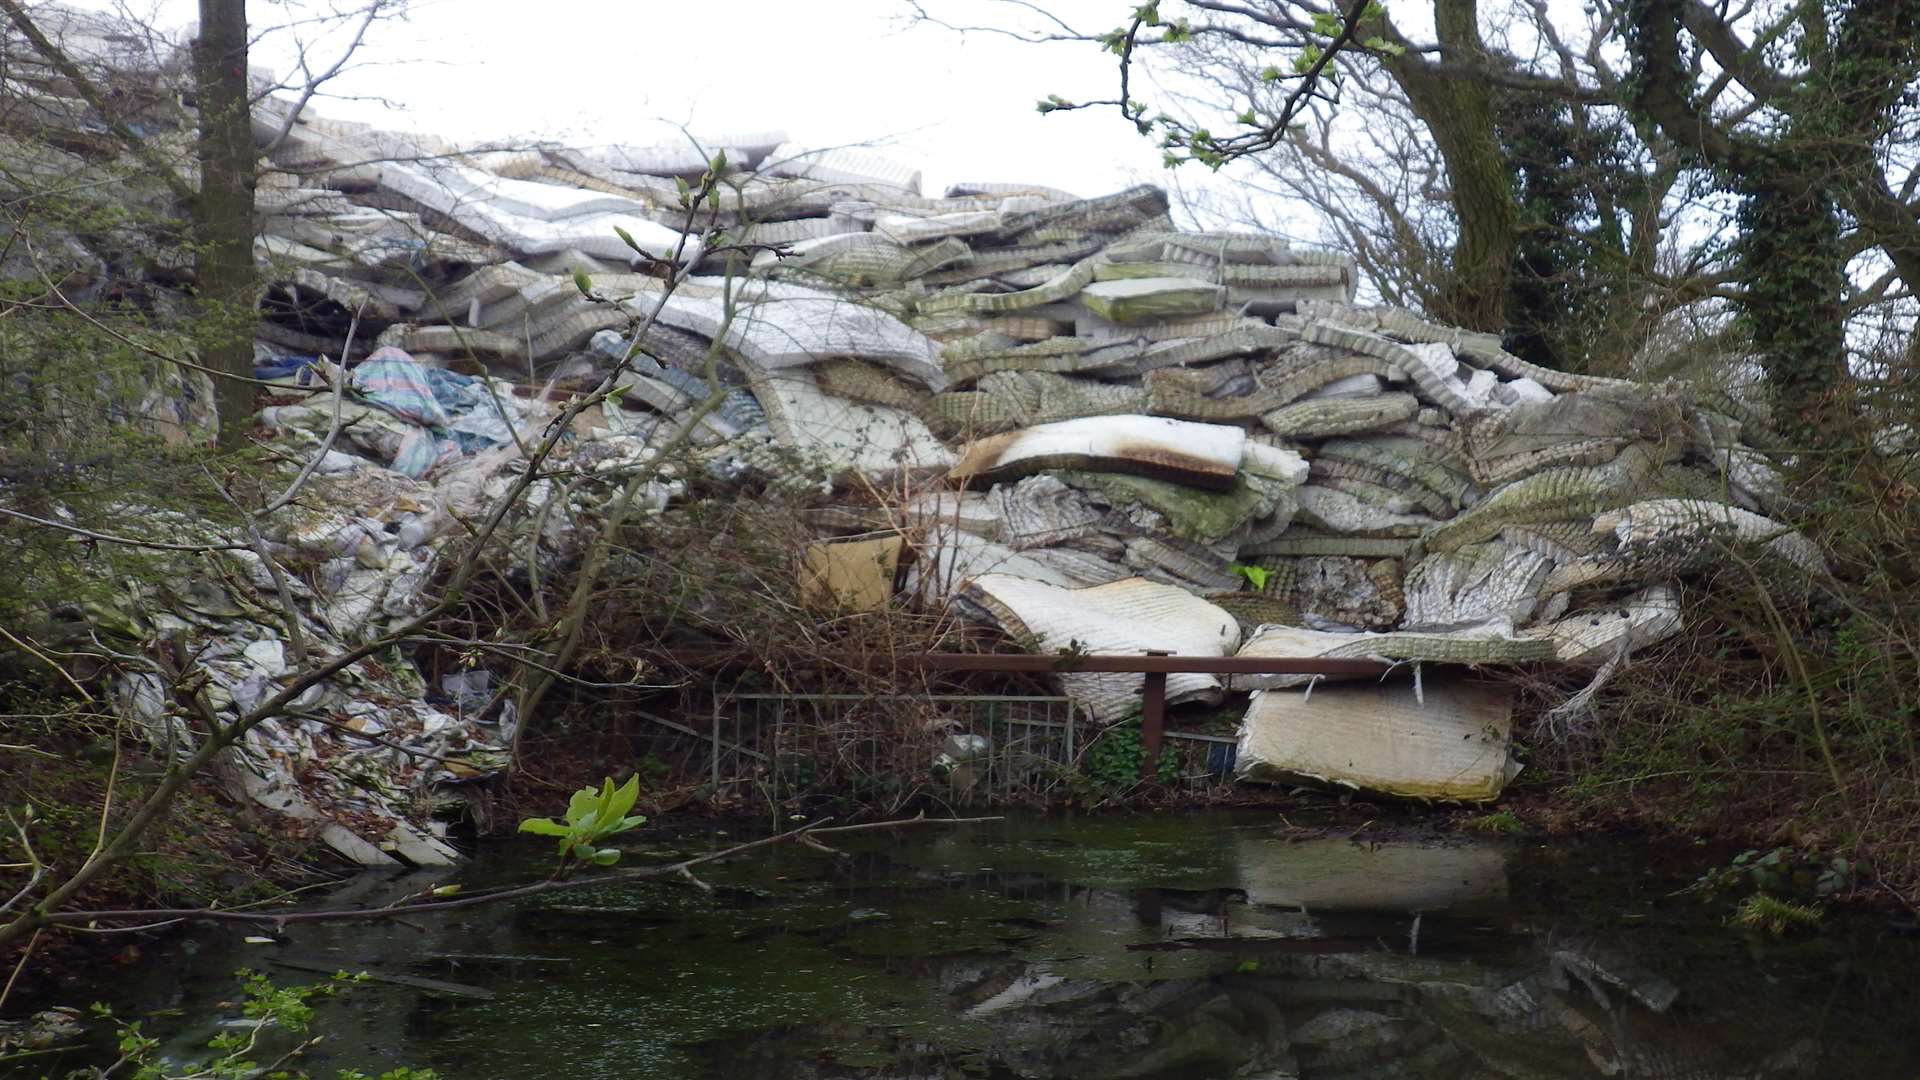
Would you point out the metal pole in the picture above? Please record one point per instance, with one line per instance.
(1153, 716)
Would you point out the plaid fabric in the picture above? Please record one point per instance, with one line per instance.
(393, 381)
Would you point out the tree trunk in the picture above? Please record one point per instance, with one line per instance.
(1460, 114)
(1792, 263)
(1795, 270)
(223, 211)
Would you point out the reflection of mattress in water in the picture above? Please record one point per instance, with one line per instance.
(1344, 875)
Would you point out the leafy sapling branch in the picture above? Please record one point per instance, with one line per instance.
(1357, 27)
(592, 816)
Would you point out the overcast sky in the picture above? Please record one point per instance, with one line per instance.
(828, 72)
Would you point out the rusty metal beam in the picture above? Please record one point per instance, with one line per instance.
(1042, 663)
(1153, 719)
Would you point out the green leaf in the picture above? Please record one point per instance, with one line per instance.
(627, 239)
(581, 808)
(592, 826)
(582, 282)
(618, 802)
(1326, 23)
(1257, 576)
(718, 166)
(1271, 74)
(540, 826)
(606, 857)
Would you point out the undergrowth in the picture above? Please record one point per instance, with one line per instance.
(707, 599)
(65, 779)
(1775, 916)
(1788, 709)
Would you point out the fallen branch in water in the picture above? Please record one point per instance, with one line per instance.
(805, 834)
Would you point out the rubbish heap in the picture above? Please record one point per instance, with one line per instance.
(1099, 432)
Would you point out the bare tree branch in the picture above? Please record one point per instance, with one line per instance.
(682, 869)
(96, 99)
(372, 11)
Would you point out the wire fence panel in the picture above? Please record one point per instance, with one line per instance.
(889, 749)
(961, 747)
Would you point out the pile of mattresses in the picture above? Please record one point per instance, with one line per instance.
(1102, 431)
(1095, 430)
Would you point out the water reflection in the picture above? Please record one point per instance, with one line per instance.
(1187, 946)
(1330, 959)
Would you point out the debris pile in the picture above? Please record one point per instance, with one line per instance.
(1119, 436)
(1151, 439)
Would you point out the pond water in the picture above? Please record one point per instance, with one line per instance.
(1188, 945)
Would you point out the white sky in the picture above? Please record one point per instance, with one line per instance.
(828, 72)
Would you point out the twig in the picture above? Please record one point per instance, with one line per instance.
(110, 538)
(339, 382)
(358, 734)
(288, 610)
(314, 84)
(684, 729)
(39, 871)
(106, 803)
(594, 561)
(47, 660)
(89, 92)
(824, 849)
(140, 929)
(33, 860)
(25, 954)
(133, 343)
(681, 869)
(273, 1069)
